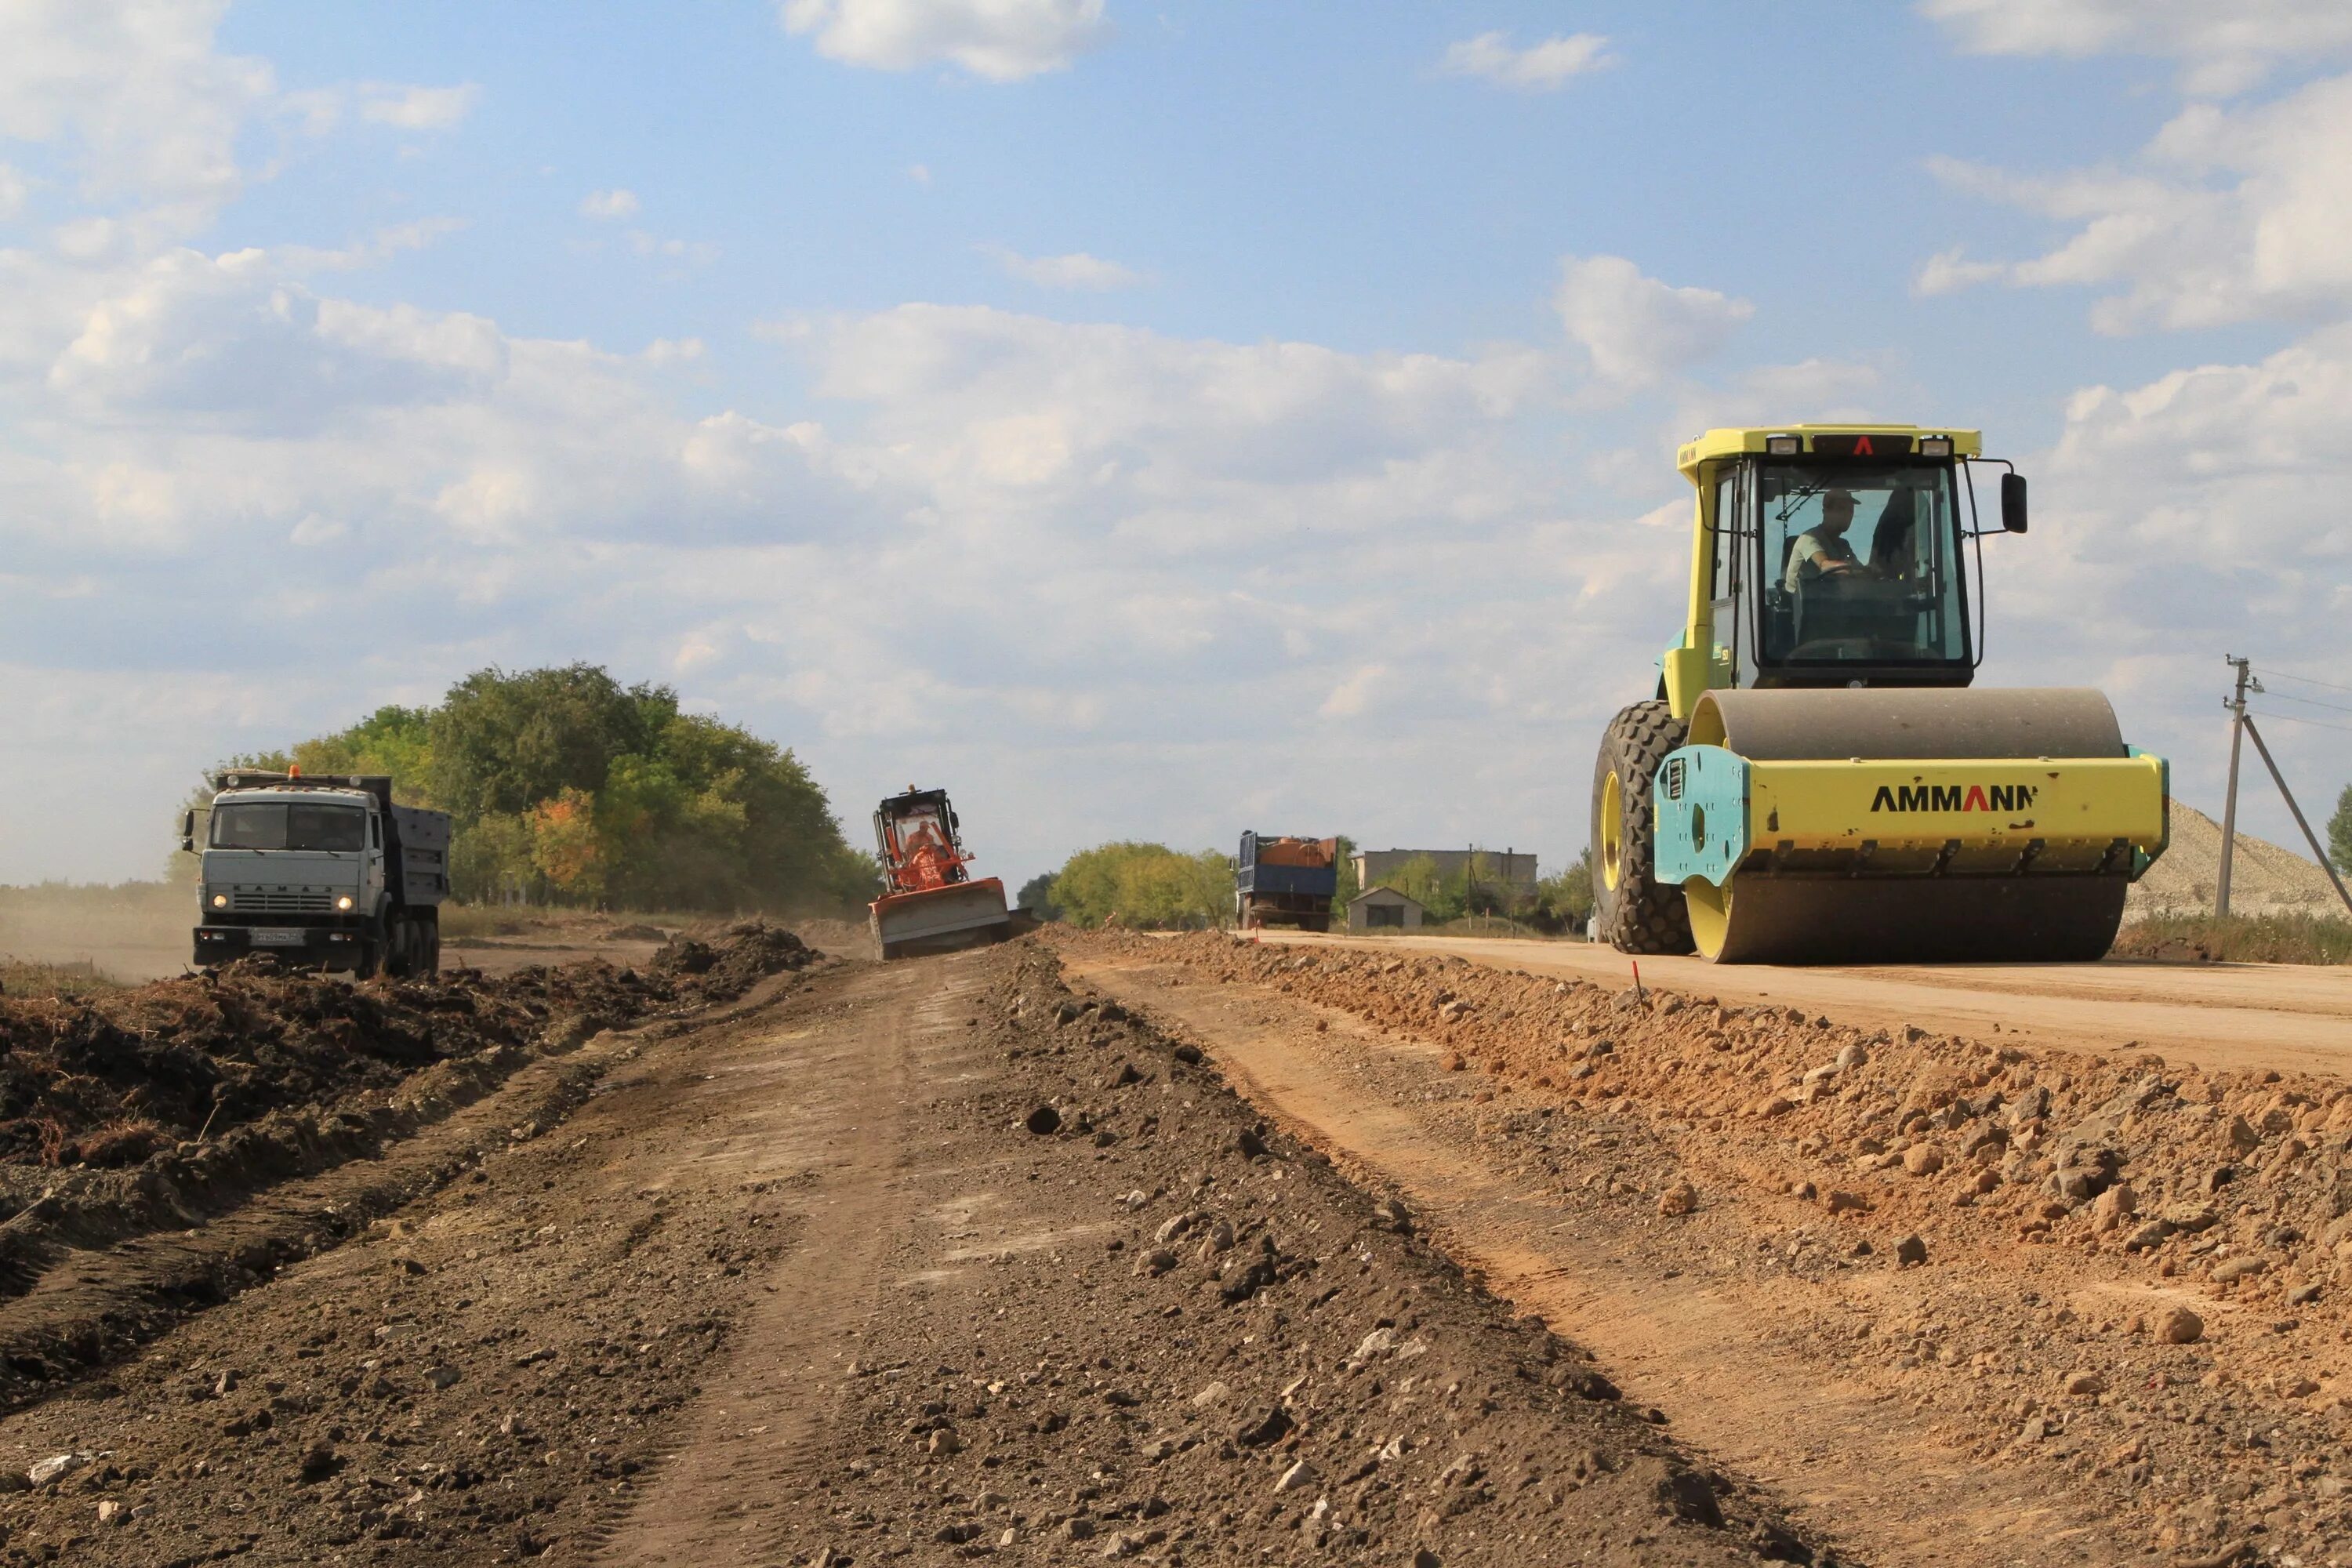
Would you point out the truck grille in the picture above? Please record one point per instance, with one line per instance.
(280, 902)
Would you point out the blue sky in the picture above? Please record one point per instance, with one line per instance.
(1147, 423)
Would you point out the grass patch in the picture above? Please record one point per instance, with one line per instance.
(2239, 939)
(38, 980)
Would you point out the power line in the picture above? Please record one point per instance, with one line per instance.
(2282, 675)
(2308, 701)
(2296, 719)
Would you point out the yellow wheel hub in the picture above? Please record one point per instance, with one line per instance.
(1613, 831)
(1710, 913)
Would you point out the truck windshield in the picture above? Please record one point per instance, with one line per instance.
(281, 825)
(1862, 564)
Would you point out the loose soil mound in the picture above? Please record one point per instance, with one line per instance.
(1247, 1357)
(111, 1077)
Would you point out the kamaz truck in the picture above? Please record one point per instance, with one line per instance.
(324, 871)
(1285, 881)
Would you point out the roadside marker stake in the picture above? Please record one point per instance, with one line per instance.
(1638, 994)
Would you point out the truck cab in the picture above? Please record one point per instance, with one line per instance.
(326, 872)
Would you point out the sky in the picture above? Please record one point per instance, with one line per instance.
(1147, 423)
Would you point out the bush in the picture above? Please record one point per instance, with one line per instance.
(1147, 886)
(2239, 939)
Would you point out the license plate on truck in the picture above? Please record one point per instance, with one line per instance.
(278, 936)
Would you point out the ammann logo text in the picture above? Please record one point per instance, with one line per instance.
(1954, 797)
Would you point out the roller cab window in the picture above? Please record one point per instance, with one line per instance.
(278, 825)
(1860, 566)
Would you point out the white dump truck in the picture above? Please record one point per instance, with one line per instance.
(324, 871)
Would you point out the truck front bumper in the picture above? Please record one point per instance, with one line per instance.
(316, 947)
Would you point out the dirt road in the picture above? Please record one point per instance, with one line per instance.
(922, 1262)
(1722, 1200)
(2293, 1017)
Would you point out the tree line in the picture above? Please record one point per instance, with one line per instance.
(567, 787)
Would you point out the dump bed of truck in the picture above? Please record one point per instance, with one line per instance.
(423, 864)
(1308, 867)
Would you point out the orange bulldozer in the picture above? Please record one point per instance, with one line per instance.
(929, 903)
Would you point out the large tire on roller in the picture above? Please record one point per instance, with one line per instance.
(1633, 912)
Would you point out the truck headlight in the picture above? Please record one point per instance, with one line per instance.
(220, 900)
(344, 904)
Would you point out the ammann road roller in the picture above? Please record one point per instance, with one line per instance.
(1816, 781)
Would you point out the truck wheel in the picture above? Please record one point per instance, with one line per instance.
(1629, 909)
(432, 929)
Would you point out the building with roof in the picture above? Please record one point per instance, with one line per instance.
(1383, 909)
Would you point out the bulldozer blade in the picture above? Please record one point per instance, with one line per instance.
(941, 920)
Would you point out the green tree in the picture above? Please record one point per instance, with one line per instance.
(1147, 886)
(392, 739)
(505, 742)
(1348, 887)
(1419, 879)
(1037, 896)
(1565, 899)
(566, 785)
(2339, 832)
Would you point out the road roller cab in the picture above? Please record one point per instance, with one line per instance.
(1815, 781)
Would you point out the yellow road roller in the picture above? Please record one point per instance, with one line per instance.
(1816, 781)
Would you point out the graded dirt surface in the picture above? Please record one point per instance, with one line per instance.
(1957, 1297)
(926, 1262)
(2221, 1015)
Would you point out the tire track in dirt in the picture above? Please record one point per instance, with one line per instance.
(1701, 1348)
(823, 1108)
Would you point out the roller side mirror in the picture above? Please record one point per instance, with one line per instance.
(2012, 503)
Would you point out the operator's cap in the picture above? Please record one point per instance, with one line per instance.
(1845, 496)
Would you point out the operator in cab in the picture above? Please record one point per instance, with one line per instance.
(1821, 549)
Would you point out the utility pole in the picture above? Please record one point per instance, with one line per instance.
(2236, 704)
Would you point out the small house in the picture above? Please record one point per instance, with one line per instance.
(1383, 909)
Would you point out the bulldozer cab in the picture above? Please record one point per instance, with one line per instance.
(916, 836)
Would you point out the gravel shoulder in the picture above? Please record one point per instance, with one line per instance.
(2290, 1017)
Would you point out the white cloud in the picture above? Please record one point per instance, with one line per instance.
(1076, 270)
(1635, 329)
(1543, 67)
(138, 92)
(227, 341)
(612, 204)
(999, 40)
(2222, 48)
(14, 189)
(2230, 214)
(1352, 696)
(150, 111)
(692, 252)
(418, 108)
